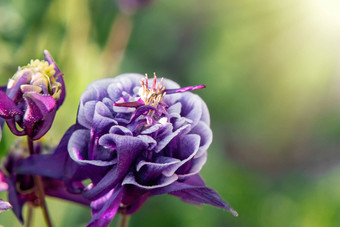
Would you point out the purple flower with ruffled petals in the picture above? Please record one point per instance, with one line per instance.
(135, 140)
(32, 97)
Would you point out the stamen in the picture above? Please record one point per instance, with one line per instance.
(153, 96)
(184, 89)
(41, 66)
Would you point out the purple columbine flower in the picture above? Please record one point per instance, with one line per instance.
(134, 140)
(21, 187)
(32, 97)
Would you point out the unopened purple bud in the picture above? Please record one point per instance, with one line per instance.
(32, 97)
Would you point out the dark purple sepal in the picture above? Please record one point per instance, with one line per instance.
(13, 127)
(45, 125)
(2, 121)
(8, 108)
(48, 165)
(105, 208)
(57, 165)
(4, 205)
(57, 189)
(39, 108)
(59, 77)
(15, 199)
(194, 191)
(133, 198)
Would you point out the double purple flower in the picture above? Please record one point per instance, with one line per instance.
(134, 140)
(32, 98)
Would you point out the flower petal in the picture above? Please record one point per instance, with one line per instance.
(3, 184)
(4, 205)
(102, 119)
(49, 165)
(13, 87)
(78, 149)
(16, 201)
(58, 75)
(128, 148)
(192, 191)
(204, 131)
(2, 121)
(162, 182)
(38, 106)
(8, 109)
(56, 188)
(105, 208)
(85, 113)
(166, 135)
(191, 107)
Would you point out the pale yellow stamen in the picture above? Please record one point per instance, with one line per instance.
(41, 66)
(153, 96)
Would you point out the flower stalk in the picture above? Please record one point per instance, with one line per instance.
(29, 216)
(39, 188)
(124, 220)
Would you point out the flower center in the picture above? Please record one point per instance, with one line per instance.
(153, 96)
(41, 66)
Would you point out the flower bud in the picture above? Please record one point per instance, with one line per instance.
(32, 97)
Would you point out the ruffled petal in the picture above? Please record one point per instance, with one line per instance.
(102, 119)
(162, 181)
(191, 107)
(204, 131)
(166, 135)
(78, 150)
(128, 148)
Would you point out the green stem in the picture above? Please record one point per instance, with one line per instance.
(117, 42)
(29, 216)
(124, 220)
(40, 188)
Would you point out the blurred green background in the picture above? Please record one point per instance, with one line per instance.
(273, 89)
